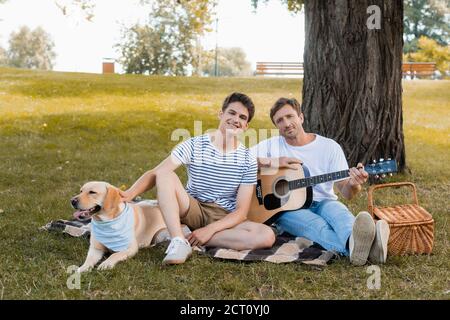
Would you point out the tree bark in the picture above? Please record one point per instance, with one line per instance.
(352, 90)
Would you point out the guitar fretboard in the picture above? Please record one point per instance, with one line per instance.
(311, 181)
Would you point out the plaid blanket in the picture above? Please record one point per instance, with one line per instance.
(74, 228)
(286, 248)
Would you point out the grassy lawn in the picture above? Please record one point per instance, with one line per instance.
(60, 130)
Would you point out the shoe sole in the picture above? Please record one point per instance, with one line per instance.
(378, 254)
(363, 234)
(173, 262)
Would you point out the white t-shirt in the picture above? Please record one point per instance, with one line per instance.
(321, 156)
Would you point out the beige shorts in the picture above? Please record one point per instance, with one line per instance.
(201, 214)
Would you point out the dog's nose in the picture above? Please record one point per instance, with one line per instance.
(74, 202)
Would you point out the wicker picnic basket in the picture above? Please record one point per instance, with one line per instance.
(411, 226)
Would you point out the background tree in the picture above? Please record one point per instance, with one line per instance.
(145, 51)
(292, 5)
(83, 8)
(352, 88)
(2, 2)
(231, 62)
(430, 51)
(427, 18)
(31, 49)
(168, 43)
(3, 57)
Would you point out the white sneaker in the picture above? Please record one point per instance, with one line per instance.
(178, 251)
(164, 235)
(378, 252)
(361, 239)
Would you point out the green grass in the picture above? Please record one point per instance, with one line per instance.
(60, 130)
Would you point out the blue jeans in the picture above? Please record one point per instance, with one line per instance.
(328, 223)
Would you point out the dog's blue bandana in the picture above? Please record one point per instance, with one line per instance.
(115, 234)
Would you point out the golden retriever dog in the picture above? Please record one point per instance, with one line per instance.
(118, 227)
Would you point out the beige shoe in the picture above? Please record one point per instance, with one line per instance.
(178, 251)
(361, 239)
(378, 252)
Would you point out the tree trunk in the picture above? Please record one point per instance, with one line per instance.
(352, 90)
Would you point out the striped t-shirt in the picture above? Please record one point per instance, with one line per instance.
(214, 176)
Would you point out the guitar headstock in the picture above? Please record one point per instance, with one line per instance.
(381, 168)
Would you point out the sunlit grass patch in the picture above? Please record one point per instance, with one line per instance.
(60, 130)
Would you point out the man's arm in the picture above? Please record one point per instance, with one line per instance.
(262, 149)
(351, 186)
(243, 201)
(148, 179)
(282, 162)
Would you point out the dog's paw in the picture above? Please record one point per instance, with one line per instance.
(106, 265)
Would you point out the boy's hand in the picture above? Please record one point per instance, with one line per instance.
(126, 196)
(200, 236)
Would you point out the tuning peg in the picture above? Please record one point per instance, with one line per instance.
(377, 177)
(374, 161)
(383, 176)
(381, 159)
(389, 159)
(390, 174)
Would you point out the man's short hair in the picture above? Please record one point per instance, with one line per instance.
(280, 103)
(242, 98)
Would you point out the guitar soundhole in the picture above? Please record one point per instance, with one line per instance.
(281, 188)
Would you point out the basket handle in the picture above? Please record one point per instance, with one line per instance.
(388, 185)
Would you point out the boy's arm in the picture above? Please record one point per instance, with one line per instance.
(243, 201)
(148, 179)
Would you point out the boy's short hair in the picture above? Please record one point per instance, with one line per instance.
(242, 98)
(280, 103)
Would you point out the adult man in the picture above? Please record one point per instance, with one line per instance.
(221, 178)
(327, 221)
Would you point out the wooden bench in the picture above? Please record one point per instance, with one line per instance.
(411, 69)
(278, 68)
(418, 69)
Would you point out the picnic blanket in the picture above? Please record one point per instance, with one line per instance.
(287, 248)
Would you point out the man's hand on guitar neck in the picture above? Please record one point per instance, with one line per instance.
(280, 163)
(358, 176)
(351, 186)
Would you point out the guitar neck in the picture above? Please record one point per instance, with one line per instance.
(311, 181)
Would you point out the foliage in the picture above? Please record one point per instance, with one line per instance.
(83, 7)
(31, 49)
(3, 57)
(144, 51)
(230, 62)
(430, 51)
(168, 43)
(292, 5)
(421, 18)
(425, 18)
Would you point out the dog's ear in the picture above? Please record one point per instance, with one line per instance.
(112, 198)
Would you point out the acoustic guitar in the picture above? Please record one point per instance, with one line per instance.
(289, 189)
